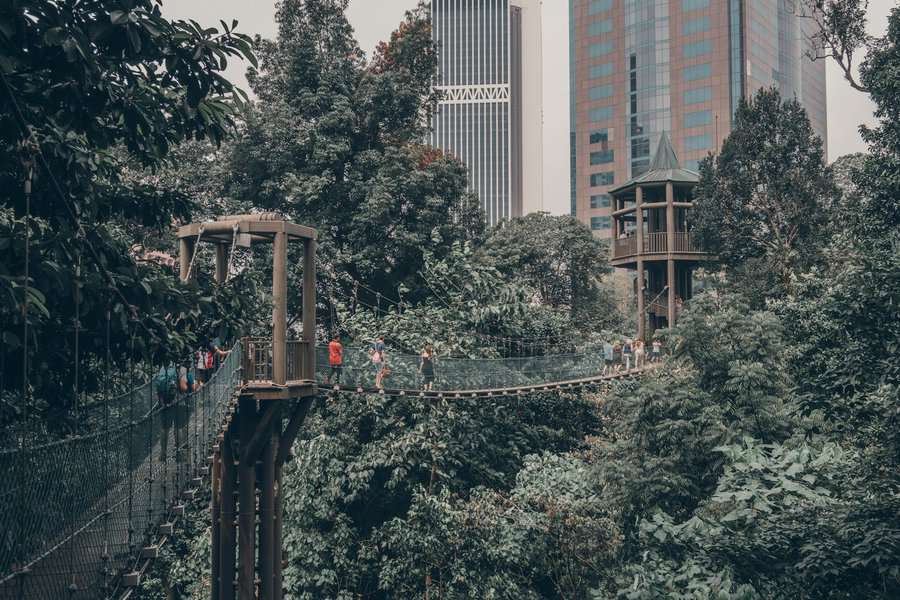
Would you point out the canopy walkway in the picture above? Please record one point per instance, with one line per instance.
(79, 516)
(82, 516)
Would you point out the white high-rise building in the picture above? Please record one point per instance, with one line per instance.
(489, 70)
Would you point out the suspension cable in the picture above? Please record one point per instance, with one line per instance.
(194, 254)
(234, 237)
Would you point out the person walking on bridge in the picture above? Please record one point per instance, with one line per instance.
(426, 367)
(656, 352)
(379, 361)
(335, 361)
(609, 355)
(639, 354)
(627, 352)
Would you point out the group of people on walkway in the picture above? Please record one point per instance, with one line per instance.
(618, 355)
(191, 374)
(379, 359)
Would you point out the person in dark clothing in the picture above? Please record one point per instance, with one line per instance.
(426, 367)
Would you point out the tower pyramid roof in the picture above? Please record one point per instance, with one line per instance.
(664, 168)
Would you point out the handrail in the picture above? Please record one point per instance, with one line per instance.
(656, 242)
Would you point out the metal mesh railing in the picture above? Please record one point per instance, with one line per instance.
(453, 374)
(76, 513)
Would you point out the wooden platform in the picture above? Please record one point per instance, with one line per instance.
(266, 390)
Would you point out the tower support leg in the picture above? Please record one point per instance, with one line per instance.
(226, 535)
(247, 418)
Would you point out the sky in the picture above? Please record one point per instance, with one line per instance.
(374, 20)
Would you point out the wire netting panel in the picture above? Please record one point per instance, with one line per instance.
(75, 513)
(453, 374)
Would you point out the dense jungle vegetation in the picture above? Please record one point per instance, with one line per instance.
(761, 461)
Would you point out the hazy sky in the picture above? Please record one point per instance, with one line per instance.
(375, 19)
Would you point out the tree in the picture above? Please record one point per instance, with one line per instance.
(560, 258)
(336, 142)
(83, 86)
(760, 204)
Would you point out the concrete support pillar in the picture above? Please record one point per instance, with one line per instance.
(639, 216)
(309, 308)
(185, 253)
(221, 263)
(279, 309)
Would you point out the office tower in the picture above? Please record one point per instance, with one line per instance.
(490, 117)
(643, 67)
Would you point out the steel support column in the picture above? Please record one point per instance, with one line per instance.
(227, 534)
(215, 512)
(639, 217)
(247, 419)
(670, 247)
(267, 554)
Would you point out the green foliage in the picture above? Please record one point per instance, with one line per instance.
(101, 85)
(560, 259)
(760, 204)
(366, 464)
(335, 142)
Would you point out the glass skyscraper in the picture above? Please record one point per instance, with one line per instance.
(489, 73)
(642, 67)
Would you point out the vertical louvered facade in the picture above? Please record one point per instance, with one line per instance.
(489, 116)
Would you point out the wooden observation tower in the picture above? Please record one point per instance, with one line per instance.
(277, 385)
(652, 235)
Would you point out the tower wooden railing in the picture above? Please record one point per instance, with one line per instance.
(656, 243)
(257, 360)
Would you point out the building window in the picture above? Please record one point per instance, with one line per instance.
(697, 48)
(697, 72)
(697, 25)
(601, 201)
(600, 92)
(692, 165)
(698, 119)
(698, 95)
(601, 223)
(698, 142)
(599, 6)
(600, 27)
(602, 158)
(604, 178)
(601, 49)
(689, 5)
(604, 70)
(600, 136)
(604, 113)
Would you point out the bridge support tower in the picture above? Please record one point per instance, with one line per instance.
(277, 390)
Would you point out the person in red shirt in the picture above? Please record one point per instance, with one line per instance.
(335, 360)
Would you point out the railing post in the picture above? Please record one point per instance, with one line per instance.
(639, 215)
(309, 309)
(279, 310)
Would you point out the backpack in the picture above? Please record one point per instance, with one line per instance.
(166, 379)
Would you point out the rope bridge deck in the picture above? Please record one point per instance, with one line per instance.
(78, 516)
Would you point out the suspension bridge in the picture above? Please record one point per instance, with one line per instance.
(82, 517)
